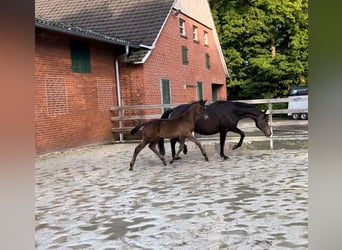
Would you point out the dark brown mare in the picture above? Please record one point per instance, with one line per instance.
(179, 127)
(223, 117)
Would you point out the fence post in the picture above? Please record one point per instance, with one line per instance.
(270, 119)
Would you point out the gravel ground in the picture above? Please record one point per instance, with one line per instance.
(87, 199)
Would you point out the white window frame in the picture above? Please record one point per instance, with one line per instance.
(205, 37)
(195, 33)
(182, 27)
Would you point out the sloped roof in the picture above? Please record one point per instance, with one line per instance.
(135, 22)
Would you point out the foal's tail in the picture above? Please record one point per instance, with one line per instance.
(136, 128)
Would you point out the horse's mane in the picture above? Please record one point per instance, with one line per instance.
(193, 102)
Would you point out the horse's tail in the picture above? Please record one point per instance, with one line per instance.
(136, 128)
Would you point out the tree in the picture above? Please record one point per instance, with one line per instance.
(265, 43)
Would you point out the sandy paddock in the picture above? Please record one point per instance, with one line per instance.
(87, 199)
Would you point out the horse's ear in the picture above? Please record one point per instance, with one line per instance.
(266, 116)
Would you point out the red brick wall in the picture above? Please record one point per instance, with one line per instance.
(71, 109)
(165, 61)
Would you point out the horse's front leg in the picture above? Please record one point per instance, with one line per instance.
(152, 146)
(181, 146)
(194, 140)
(242, 136)
(173, 146)
(223, 135)
(136, 152)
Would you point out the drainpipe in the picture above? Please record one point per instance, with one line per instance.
(118, 88)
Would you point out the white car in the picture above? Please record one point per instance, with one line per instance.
(298, 100)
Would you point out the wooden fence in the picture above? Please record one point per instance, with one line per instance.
(121, 117)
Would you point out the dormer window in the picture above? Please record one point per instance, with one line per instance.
(205, 38)
(182, 27)
(194, 34)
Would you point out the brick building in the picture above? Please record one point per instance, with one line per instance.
(94, 55)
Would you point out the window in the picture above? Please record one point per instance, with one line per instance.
(205, 38)
(80, 57)
(182, 27)
(207, 61)
(194, 33)
(215, 88)
(185, 55)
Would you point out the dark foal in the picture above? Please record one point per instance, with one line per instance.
(179, 127)
(224, 117)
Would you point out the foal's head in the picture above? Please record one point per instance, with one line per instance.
(201, 110)
(262, 123)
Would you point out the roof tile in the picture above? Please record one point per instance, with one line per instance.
(137, 21)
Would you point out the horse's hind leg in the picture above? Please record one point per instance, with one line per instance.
(136, 152)
(152, 146)
(173, 146)
(223, 135)
(181, 146)
(194, 140)
(161, 146)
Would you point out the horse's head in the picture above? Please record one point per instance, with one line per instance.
(262, 123)
(203, 109)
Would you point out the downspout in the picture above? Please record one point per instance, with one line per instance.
(118, 89)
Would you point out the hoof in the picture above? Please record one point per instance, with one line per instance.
(185, 149)
(236, 146)
(175, 159)
(206, 158)
(164, 163)
(130, 169)
(225, 157)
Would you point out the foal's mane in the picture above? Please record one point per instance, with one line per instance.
(192, 103)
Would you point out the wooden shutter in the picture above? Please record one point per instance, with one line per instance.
(80, 57)
(166, 92)
(199, 91)
(185, 55)
(207, 60)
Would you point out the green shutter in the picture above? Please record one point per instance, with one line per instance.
(166, 93)
(185, 55)
(199, 91)
(207, 60)
(80, 57)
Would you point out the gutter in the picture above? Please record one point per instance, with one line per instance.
(80, 32)
(118, 87)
